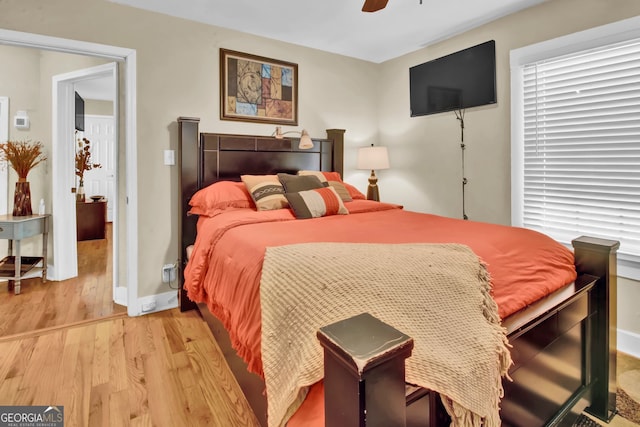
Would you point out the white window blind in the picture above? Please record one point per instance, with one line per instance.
(582, 146)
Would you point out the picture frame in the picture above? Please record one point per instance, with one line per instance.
(258, 89)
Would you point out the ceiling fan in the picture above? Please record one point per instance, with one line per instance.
(375, 5)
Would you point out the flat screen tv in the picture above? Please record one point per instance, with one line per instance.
(79, 112)
(462, 79)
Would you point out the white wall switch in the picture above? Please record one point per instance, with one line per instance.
(168, 273)
(169, 157)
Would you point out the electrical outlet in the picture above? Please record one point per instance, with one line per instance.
(168, 273)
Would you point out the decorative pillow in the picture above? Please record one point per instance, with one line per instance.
(332, 176)
(316, 203)
(322, 175)
(296, 183)
(317, 174)
(329, 177)
(354, 192)
(221, 195)
(341, 190)
(266, 191)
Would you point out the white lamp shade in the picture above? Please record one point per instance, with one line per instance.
(373, 158)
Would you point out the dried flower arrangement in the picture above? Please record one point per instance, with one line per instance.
(22, 156)
(83, 159)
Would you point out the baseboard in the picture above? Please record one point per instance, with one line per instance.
(155, 303)
(629, 343)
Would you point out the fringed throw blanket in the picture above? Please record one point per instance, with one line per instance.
(437, 294)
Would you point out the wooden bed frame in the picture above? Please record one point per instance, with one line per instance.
(564, 346)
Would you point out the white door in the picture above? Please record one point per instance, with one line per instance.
(101, 181)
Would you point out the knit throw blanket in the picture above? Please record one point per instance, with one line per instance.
(438, 294)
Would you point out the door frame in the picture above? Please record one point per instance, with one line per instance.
(4, 170)
(64, 179)
(128, 58)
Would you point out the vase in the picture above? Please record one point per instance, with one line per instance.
(80, 196)
(22, 199)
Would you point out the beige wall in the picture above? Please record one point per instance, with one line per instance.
(20, 81)
(25, 78)
(98, 108)
(425, 151)
(178, 76)
(177, 69)
(628, 309)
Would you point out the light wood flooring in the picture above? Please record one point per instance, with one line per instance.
(42, 306)
(162, 369)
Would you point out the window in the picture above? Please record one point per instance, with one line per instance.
(577, 131)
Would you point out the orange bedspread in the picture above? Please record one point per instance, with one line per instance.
(225, 267)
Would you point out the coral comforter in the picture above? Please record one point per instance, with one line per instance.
(225, 267)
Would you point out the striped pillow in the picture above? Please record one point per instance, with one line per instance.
(333, 179)
(316, 203)
(341, 190)
(266, 191)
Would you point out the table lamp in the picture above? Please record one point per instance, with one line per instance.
(373, 158)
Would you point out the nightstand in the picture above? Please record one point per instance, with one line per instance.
(14, 229)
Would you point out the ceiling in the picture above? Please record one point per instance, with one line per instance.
(339, 26)
(100, 89)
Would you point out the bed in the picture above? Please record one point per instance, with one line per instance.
(572, 326)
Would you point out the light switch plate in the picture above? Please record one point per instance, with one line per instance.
(169, 157)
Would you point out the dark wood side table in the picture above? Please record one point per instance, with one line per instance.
(91, 220)
(14, 229)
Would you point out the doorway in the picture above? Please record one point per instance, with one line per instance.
(64, 180)
(128, 214)
(4, 170)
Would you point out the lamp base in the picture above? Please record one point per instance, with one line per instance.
(372, 190)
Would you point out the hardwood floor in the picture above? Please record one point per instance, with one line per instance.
(78, 350)
(163, 369)
(42, 306)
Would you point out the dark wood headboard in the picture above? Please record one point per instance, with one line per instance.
(204, 158)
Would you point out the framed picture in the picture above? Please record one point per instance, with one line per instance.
(258, 89)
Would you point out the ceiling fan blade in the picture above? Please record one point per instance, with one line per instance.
(374, 5)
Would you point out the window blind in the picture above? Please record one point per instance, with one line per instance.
(582, 146)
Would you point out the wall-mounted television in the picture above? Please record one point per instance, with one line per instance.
(79, 112)
(462, 79)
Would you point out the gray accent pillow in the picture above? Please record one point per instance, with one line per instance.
(297, 183)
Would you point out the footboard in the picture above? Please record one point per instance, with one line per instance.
(563, 349)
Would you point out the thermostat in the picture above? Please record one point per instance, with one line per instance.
(21, 120)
